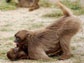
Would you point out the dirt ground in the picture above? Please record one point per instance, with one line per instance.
(15, 20)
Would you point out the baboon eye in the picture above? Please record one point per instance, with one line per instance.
(17, 39)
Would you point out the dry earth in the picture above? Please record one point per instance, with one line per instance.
(15, 20)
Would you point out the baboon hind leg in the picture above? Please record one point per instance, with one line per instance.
(35, 5)
(34, 8)
(65, 45)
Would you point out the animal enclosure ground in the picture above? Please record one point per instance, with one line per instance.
(15, 20)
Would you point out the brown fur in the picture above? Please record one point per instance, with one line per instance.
(33, 4)
(56, 36)
(16, 54)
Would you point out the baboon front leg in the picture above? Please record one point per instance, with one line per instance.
(65, 45)
(37, 53)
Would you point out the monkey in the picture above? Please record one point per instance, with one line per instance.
(32, 4)
(55, 36)
(15, 54)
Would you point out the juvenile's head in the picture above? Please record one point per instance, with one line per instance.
(12, 54)
(15, 54)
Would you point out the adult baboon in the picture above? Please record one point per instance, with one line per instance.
(33, 4)
(53, 37)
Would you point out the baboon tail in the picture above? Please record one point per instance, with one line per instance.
(66, 11)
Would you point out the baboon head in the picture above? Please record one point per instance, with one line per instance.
(21, 36)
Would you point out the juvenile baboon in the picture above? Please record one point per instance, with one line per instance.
(16, 54)
(33, 4)
(56, 36)
(19, 52)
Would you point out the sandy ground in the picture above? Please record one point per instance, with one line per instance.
(15, 20)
